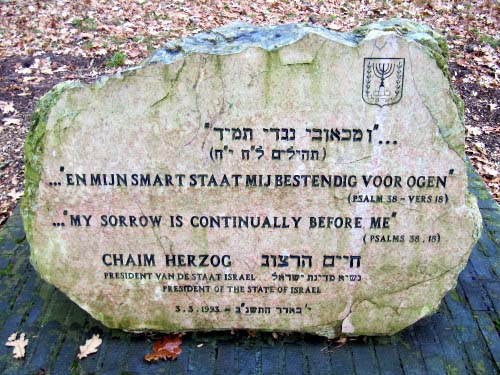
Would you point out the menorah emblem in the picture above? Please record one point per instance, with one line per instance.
(383, 80)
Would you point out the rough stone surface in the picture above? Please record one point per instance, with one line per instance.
(161, 118)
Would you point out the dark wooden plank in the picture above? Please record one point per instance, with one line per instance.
(51, 335)
(45, 348)
(4, 264)
(490, 334)
(487, 204)
(493, 290)
(12, 285)
(365, 359)
(133, 362)
(482, 263)
(202, 360)
(66, 360)
(247, 360)
(409, 353)
(294, 362)
(14, 371)
(76, 335)
(475, 294)
(225, 358)
(455, 358)
(181, 364)
(468, 330)
(429, 345)
(487, 246)
(121, 355)
(342, 360)
(317, 358)
(494, 232)
(271, 359)
(16, 321)
(387, 356)
(490, 216)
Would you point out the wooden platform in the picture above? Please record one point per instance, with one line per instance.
(462, 338)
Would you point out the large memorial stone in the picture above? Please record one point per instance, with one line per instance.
(279, 178)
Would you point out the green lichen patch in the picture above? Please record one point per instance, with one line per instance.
(34, 148)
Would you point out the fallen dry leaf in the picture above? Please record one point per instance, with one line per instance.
(337, 343)
(12, 337)
(473, 130)
(7, 107)
(90, 346)
(11, 121)
(24, 71)
(252, 333)
(341, 341)
(18, 344)
(480, 147)
(15, 194)
(480, 158)
(168, 348)
(489, 171)
(490, 129)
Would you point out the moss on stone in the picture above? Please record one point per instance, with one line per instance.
(34, 150)
(33, 153)
(272, 60)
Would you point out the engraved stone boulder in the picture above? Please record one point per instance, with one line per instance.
(277, 178)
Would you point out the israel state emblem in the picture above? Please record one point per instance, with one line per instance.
(383, 80)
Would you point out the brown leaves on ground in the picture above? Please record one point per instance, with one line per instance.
(341, 341)
(90, 347)
(479, 157)
(19, 344)
(7, 107)
(134, 27)
(252, 333)
(167, 348)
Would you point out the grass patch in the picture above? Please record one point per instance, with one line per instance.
(487, 39)
(149, 41)
(456, 297)
(84, 24)
(451, 370)
(77, 22)
(117, 40)
(118, 59)
(7, 270)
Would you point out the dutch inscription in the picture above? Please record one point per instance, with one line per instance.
(280, 178)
